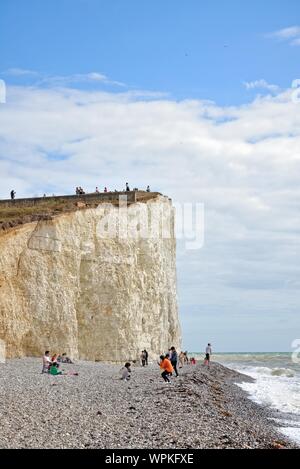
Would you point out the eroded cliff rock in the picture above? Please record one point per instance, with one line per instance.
(99, 284)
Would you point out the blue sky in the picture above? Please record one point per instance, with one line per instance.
(191, 97)
(196, 49)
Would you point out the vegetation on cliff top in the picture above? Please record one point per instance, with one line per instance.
(17, 213)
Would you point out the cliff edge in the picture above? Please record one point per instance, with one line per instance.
(97, 283)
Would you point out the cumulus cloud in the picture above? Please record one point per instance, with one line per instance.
(242, 162)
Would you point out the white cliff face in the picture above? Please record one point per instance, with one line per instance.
(80, 284)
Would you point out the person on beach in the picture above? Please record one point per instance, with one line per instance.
(143, 358)
(54, 358)
(208, 353)
(46, 362)
(126, 370)
(186, 358)
(146, 357)
(174, 360)
(66, 359)
(167, 367)
(54, 369)
(181, 360)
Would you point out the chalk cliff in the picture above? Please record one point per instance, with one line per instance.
(97, 283)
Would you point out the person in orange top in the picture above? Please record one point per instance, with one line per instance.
(166, 366)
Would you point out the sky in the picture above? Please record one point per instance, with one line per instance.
(200, 100)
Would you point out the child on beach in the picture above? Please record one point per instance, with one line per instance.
(55, 371)
(54, 358)
(126, 370)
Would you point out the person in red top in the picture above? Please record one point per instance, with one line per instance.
(167, 367)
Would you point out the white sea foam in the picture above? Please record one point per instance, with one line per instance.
(277, 385)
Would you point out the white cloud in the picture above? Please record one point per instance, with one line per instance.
(291, 34)
(20, 72)
(242, 161)
(261, 84)
(62, 80)
(81, 78)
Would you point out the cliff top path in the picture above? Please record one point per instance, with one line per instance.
(20, 211)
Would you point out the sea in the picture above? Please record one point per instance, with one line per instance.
(276, 385)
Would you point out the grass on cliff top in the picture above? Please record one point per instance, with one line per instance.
(18, 214)
(15, 214)
(16, 211)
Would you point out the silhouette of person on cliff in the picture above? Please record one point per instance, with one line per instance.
(127, 187)
(148, 189)
(12, 194)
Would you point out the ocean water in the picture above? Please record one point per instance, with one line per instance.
(277, 384)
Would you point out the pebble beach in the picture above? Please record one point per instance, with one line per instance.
(200, 409)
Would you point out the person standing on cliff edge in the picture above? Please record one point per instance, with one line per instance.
(12, 194)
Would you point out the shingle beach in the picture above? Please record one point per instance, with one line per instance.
(200, 409)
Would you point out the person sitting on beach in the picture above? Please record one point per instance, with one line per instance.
(46, 362)
(66, 359)
(54, 358)
(166, 366)
(148, 189)
(126, 370)
(208, 353)
(54, 369)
